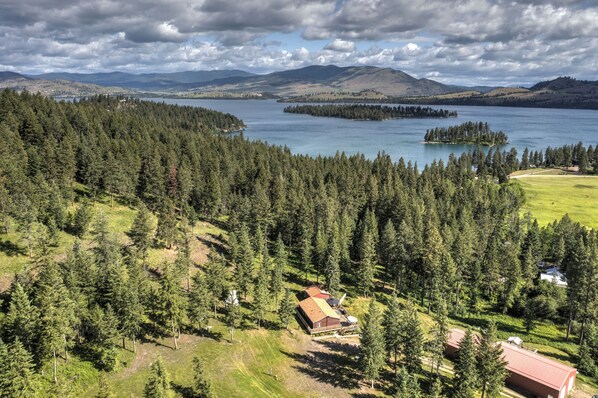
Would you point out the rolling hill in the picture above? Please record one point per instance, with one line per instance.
(562, 92)
(331, 79)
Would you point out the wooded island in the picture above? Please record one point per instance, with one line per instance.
(467, 133)
(370, 112)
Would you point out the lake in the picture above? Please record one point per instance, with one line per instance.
(534, 128)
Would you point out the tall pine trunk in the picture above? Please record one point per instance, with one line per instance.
(54, 368)
(176, 347)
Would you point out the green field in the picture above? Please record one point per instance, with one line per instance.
(549, 198)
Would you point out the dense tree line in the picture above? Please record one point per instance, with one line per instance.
(445, 234)
(370, 112)
(467, 133)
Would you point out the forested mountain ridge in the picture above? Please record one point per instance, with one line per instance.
(447, 233)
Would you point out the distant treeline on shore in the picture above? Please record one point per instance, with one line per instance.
(370, 112)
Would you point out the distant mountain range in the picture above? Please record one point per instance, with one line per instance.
(311, 79)
(147, 81)
(313, 83)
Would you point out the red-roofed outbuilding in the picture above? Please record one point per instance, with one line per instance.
(537, 374)
(529, 372)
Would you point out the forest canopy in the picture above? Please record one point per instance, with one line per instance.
(370, 112)
(467, 133)
(448, 232)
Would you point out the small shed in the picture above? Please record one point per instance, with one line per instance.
(317, 316)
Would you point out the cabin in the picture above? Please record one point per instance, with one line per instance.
(317, 315)
(529, 373)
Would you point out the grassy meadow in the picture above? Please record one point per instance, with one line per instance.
(550, 197)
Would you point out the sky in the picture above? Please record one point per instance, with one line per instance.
(468, 42)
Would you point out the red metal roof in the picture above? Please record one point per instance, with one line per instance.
(526, 363)
(317, 309)
(535, 366)
(455, 336)
(314, 291)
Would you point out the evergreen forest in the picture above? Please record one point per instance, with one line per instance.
(467, 133)
(446, 239)
(370, 112)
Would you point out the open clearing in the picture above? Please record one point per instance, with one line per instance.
(550, 197)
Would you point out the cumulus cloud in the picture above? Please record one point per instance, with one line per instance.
(455, 41)
(341, 45)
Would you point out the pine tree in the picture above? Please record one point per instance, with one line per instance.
(465, 381)
(82, 219)
(588, 352)
(393, 329)
(158, 384)
(321, 252)
(287, 309)
(261, 297)
(368, 263)
(372, 344)
(232, 318)
(306, 255)
(56, 316)
(199, 301)
(388, 249)
(332, 268)
(244, 264)
(412, 340)
(183, 262)
(436, 388)
(201, 386)
(491, 365)
(22, 318)
(171, 305)
(216, 280)
(104, 390)
(17, 377)
(407, 385)
(142, 231)
(440, 335)
(166, 232)
(278, 274)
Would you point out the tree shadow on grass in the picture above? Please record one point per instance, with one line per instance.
(11, 249)
(183, 391)
(331, 363)
(214, 244)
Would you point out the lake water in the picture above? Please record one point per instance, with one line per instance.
(526, 127)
